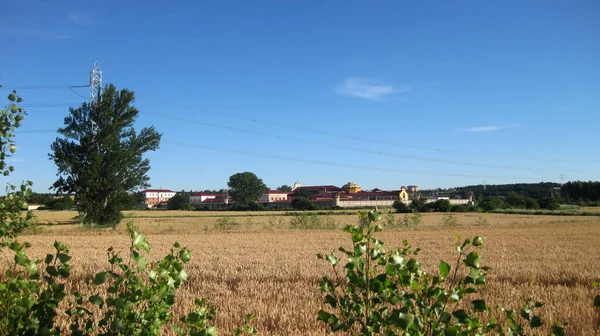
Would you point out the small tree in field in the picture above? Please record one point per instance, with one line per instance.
(100, 156)
(245, 187)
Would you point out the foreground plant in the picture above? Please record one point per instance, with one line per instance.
(387, 293)
(135, 297)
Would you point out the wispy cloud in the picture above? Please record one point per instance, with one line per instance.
(80, 19)
(489, 128)
(367, 88)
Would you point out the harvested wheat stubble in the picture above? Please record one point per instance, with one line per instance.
(274, 273)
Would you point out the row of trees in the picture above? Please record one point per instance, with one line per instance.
(512, 201)
(579, 192)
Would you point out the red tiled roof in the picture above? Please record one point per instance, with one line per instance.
(156, 190)
(275, 192)
(322, 187)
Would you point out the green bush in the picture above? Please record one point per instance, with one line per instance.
(376, 292)
(549, 203)
(449, 219)
(312, 221)
(400, 206)
(492, 203)
(226, 224)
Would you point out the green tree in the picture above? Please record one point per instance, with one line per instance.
(179, 202)
(303, 203)
(441, 205)
(245, 187)
(531, 203)
(418, 204)
(400, 206)
(301, 192)
(100, 157)
(515, 200)
(63, 203)
(549, 203)
(492, 203)
(285, 188)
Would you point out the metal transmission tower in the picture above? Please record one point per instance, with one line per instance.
(95, 84)
(95, 90)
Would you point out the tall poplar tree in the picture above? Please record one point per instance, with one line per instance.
(100, 157)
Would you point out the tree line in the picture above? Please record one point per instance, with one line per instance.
(580, 192)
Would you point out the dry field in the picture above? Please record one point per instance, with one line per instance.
(270, 270)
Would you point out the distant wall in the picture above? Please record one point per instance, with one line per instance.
(352, 204)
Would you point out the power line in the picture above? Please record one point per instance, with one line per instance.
(333, 164)
(370, 140)
(344, 136)
(329, 145)
(348, 148)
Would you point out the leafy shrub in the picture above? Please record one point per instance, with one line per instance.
(481, 221)
(549, 203)
(441, 205)
(226, 224)
(492, 203)
(449, 220)
(387, 293)
(29, 298)
(256, 207)
(531, 203)
(404, 221)
(306, 221)
(139, 295)
(418, 205)
(400, 206)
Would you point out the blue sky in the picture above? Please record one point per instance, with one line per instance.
(385, 93)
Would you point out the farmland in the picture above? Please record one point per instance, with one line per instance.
(262, 266)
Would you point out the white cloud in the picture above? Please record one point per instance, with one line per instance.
(489, 128)
(366, 88)
(80, 19)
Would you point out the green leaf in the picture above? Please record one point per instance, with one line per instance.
(141, 263)
(472, 259)
(185, 255)
(97, 300)
(49, 258)
(52, 271)
(64, 258)
(557, 330)
(323, 316)
(21, 259)
(100, 278)
(444, 268)
(357, 236)
(140, 242)
(461, 316)
(333, 260)
(478, 305)
(32, 268)
(182, 275)
(405, 320)
(597, 301)
(535, 322)
(478, 241)
(60, 247)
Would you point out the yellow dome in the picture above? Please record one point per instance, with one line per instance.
(351, 187)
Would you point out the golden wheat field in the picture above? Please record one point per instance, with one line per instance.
(266, 268)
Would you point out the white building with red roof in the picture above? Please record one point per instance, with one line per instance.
(153, 197)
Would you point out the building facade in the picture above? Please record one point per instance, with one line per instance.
(153, 197)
